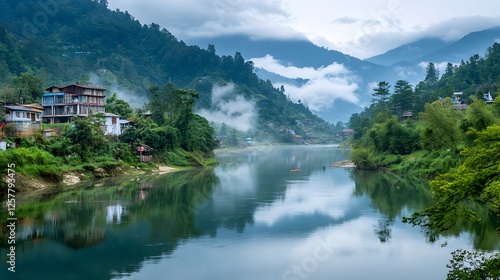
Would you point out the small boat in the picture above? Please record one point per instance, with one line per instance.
(295, 170)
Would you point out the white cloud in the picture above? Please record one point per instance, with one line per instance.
(134, 99)
(362, 32)
(235, 111)
(297, 202)
(324, 86)
(194, 18)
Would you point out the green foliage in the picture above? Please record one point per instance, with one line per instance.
(476, 179)
(403, 99)
(161, 138)
(118, 106)
(27, 156)
(479, 116)
(382, 92)
(432, 75)
(392, 137)
(87, 136)
(31, 162)
(176, 159)
(200, 136)
(121, 151)
(440, 126)
(466, 265)
(362, 159)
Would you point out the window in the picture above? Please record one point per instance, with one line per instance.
(18, 115)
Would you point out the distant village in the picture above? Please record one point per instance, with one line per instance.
(59, 105)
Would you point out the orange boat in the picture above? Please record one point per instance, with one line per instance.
(295, 170)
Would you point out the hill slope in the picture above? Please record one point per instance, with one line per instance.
(83, 38)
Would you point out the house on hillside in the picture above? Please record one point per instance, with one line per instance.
(112, 124)
(347, 132)
(25, 120)
(61, 103)
(488, 98)
(407, 115)
(458, 102)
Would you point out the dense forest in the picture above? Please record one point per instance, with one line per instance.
(447, 129)
(61, 42)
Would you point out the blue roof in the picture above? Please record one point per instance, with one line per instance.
(54, 94)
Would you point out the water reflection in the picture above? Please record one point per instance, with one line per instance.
(250, 218)
(113, 228)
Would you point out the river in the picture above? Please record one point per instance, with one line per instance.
(249, 218)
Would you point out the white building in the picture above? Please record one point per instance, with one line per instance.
(112, 124)
(25, 118)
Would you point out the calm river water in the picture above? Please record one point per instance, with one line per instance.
(249, 218)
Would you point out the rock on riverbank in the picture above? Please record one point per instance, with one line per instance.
(344, 163)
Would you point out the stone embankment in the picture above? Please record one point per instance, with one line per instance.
(344, 163)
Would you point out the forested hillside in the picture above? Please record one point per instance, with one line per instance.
(43, 43)
(453, 139)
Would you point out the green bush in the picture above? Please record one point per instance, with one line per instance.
(177, 158)
(362, 158)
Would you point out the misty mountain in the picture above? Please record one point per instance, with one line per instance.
(409, 52)
(306, 56)
(299, 52)
(411, 58)
(406, 62)
(469, 45)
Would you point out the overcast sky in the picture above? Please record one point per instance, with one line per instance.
(360, 28)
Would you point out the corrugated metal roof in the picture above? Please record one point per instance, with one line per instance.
(76, 85)
(110, 115)
(21, 108)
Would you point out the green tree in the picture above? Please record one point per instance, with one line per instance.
(402, 100)
(381, 93)
(440, 126)
(467, 265)
(29, 87)
(479, 116)
(118, 106)
(432, 75)
(477, 179)
(161, 139)
(87, 136)
(157, 105)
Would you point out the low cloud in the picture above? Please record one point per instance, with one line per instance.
(455, 28)
(324, 85)
(132, 98)
(233, 110)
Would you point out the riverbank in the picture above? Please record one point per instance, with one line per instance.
(33, 168)
(24, 183)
